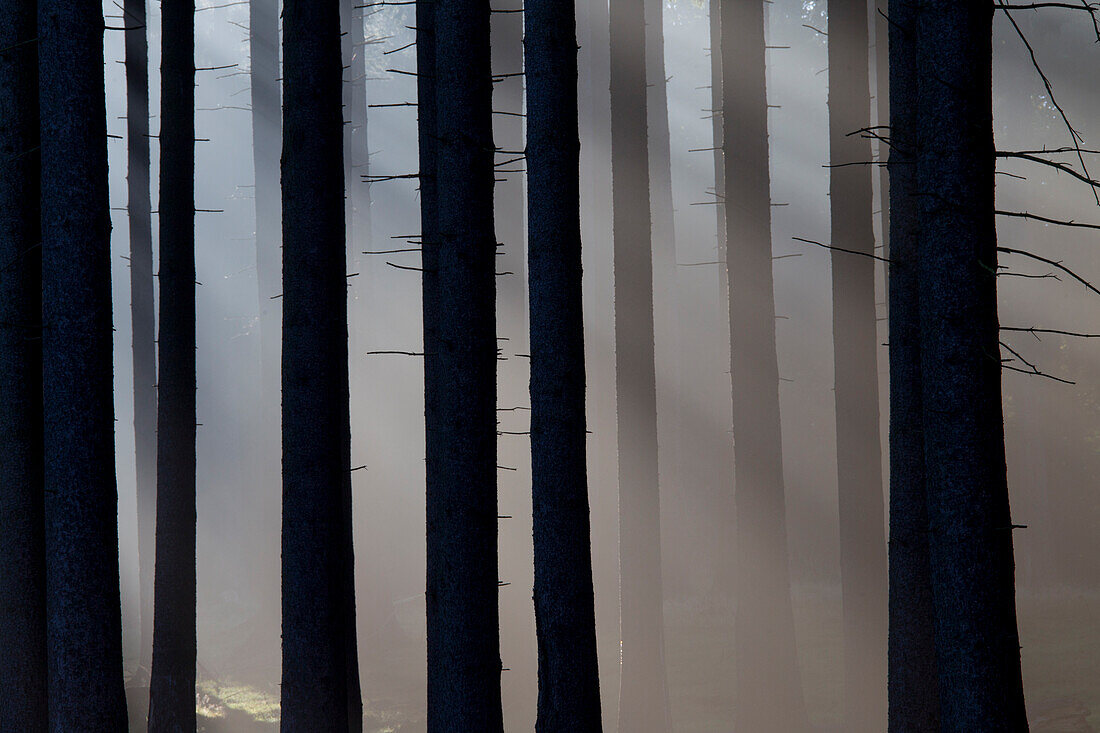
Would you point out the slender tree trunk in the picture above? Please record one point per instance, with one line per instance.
(172, 679)
(914, 705)
(594, 37)
(22, 552)
(142, 314)
(569, 680)
(768, 689)
(881, 61)
(462, 613)
(977, 644)
(266, 147)
(83, 619)
(859, 452)
(317, 692)
(643, 699)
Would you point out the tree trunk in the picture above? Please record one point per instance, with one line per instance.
(768, 690)
(83, 620)
(318, 693)
(172, 679)
(913, 690)
(22, 553)
(462, 613)
(142, 313)
(977, 643)
(569, 681)
(855, 344)
(643, 699)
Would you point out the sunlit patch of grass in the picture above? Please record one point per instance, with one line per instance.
(221, 699)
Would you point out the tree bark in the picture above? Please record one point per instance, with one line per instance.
(913, 691)
(977, 643)
(83, 619)
(863, 570)
(142, 313)
(462, 612)
(172, 677)
(569, 681)
(319, 689)
(643, 698)
(22, 551)
(768, 689)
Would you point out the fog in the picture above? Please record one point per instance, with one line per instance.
(1052, 426)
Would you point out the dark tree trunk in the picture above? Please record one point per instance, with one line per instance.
(914, 705)
(643, 698)
(266, 148)
(142, 315)
(172, 679)
(768, 690)
(569, 681)
(317, 692)
(517, 624)
(83, 620)
(462, 613)
(977, 644)
(22, 553)
(859, 452)
(594, 36)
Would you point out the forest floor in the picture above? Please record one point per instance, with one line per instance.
(1060, 636)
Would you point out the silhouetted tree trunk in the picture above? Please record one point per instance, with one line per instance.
(594, 40)
(266, 146)
(643, 698)
(859, 452)
(768, 689)
(172, 679)
(83, 621)
(977, 644)
(462, 613)
(318, 612)
(22, 553)
(569, 680)
(142, 315)
(914, 705)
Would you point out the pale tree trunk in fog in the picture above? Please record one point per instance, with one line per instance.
(643, 698)
(463, 636)
(517, 630)
(593, 38)
(320, 690)
(172, 677)
(83, 619)
(914, 705)
(141, 311)
(977, 643)
(22, 554)
(568, 672)
(768, 688)
(880, 15)
(263, 21)
(855, 368)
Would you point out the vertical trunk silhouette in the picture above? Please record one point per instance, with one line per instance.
(768, 690)
(594, 40)
(263, 23)
(913, 705)
(517, 630)
(462, 613)
(859, 452)
(83, 618)
(977, 644)
(142, 314)
(319, 686)
(880, 15)
(172, 677)
(569, 681)
(643, 697)
(22, 553)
